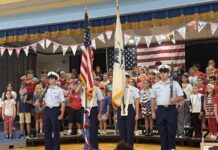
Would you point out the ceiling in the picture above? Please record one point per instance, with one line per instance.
(11, 7)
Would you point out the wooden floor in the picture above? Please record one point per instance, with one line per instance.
(108, 146)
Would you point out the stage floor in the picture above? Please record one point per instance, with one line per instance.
(108, 146)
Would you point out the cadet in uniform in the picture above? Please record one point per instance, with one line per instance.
(53, 112)
(165, 94)
(95, 114)
(128, 113)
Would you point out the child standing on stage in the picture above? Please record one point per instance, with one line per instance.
(8, 114)
(105, 112)
(196, 106)
(38, 110)
(145, 101)
(210, 111)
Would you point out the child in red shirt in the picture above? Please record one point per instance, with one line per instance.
(75, 114)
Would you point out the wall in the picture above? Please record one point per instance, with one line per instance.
(52, 62)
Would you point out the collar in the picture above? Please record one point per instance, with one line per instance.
(53, 87)
(168, 81)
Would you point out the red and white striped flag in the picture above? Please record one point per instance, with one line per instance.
(166, 53)
(86, 68)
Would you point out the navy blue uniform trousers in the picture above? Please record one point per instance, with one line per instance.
(52, 124)
(93, 118)
(167, 125)
(126, 125)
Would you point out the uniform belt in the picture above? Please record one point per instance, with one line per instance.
(52, 107)
(165, 106)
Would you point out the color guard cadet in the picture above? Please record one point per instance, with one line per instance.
(165, 94)
(128, 113)
(53, 112)
(95, 114)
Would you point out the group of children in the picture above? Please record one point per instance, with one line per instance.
(200, 100)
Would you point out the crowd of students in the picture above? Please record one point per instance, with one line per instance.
(198, 110)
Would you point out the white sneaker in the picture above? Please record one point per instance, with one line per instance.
(69, 132)
(79, 132)
(104, 133)
(62, 133)
(136, 133)
(213, 137)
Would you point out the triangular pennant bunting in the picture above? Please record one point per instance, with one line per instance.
(159, 38)
(171, 37)
(182, 32)
(18, 51)
(137, 40)
(64, 49)
(101, 38)
(42, 43)
(213, 27)
(47, 43)
(148, 40)
(201, 25)
(192, 25)
(55, 46)
(34, 47)
(126, 38)
(108, 34)
(26, 50)
(94, 43)
(2, 51)
(10, 51)
(74, 48)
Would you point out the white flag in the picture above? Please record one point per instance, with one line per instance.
(94, 43)
(159, 38)
(10, 51)
(201, 25)
(2, 50)
(101, 38)
(47, 43)
(213, 27)
(108, 34)
(55, 46)
(182, 32)
(42, 43)
(148, 40)
(119, 78)
(64, 49)
(137, 40)
(26, 50)
(126, 38)
(74, 48)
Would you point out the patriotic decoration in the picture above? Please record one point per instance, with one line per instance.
(166, 53)
(201, 25)
(148, 40)
(86, 68)
(119, 78)
(45, 43)
(86, 75)
(213, 27)
(130, 58)
(182, 32)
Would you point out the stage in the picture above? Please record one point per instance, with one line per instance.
(109, 146)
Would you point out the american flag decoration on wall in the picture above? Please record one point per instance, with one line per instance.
(167, 53)
(130, 57)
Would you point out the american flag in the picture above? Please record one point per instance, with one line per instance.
(167, 53)
(86, 68)
(130, 58)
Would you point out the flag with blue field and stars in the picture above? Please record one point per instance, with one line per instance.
(130, 58)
